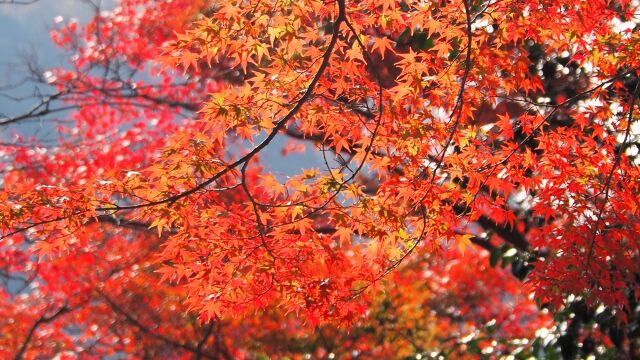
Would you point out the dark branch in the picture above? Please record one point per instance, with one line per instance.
(43, 320)
(145, 329)
(17, 2)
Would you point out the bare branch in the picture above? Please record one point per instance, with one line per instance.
(18, 2)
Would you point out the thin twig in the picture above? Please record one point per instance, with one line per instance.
(43, 320)
(607, 186)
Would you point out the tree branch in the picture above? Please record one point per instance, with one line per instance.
(43, 320)
(274, 132)
(133, 321)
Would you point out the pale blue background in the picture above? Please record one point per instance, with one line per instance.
(24, 36)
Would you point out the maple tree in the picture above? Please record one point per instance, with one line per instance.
(471, 189)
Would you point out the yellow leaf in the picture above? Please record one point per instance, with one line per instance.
(464, 241)
(297, 210)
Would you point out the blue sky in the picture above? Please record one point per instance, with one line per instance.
(24, 34)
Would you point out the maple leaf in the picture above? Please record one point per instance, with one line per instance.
(189, 59)
(464, 241)
(165, 223)
(382, 45)
(344, 236)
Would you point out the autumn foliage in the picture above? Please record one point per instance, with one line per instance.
(469, 185)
